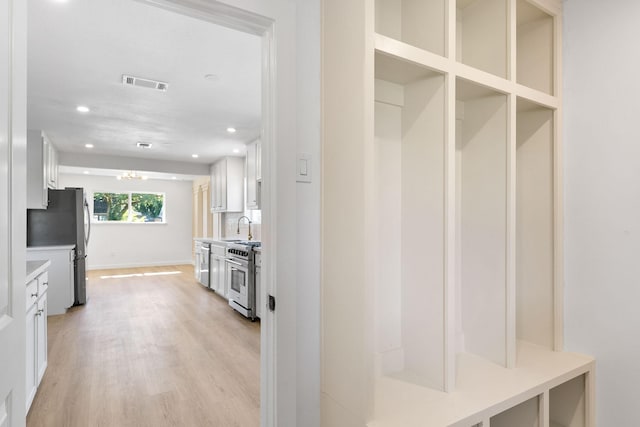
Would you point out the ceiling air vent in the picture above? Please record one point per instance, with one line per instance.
(148, 83)
(144, 145)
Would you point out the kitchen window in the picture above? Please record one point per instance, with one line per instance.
(129, 207)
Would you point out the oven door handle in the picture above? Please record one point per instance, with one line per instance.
(233, 262)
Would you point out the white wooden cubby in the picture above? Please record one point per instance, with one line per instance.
(443, 305)
(482, 35)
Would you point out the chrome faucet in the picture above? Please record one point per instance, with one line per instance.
(249, 236)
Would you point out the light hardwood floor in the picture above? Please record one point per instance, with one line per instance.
(150, 350)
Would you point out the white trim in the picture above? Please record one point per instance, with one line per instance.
(139, 265)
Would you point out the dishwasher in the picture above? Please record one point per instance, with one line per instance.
(203, 260)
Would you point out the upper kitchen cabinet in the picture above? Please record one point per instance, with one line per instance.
(227, 185)
(42, 169)
(253, 175)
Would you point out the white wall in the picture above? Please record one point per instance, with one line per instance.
(308, 216)
(115, 245)
(602, 196)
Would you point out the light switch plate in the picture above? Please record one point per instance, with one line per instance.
(303, 167)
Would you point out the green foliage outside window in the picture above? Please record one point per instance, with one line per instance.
(147, 207)
(111, 206)
(128, 207)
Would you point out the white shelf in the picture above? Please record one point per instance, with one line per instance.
(483, 389)
(525, 414)
(408, 149)
(535, 47)
(458, 151)
(418, 23)
(567, 403)
(481, 223)
(481, 35)
(535, 234)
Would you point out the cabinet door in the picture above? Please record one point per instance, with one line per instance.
(215, 273)
(32, 369)
(258, 161)
(198, 263)
(37, 196)
(224, 290)
(52, 171)
(41, 333)
(222, 179)
(213, 187)
(252, 183)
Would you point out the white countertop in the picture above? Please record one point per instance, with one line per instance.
(51, 248)
(34, 268)
(211, 240)
(220, 241)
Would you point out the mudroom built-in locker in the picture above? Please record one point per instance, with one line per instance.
(464, 151)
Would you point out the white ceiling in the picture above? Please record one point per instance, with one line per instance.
(79, 49)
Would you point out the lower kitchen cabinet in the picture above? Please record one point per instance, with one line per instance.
(32, 375)
(36, 334)
(61, 291)
(218, 270)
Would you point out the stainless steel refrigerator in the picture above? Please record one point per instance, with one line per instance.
(66, 221)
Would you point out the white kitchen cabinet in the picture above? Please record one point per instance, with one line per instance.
(52, 165)
(457, 144)
(42, 169)
(259, 161)
(36, 326)
(227, 185)
(252, 169)
(32, 345)
(218, 269)
(41, 334)
(61, 278)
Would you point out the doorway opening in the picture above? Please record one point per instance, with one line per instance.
(81, 163)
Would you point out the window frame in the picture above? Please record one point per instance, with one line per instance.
(129, 207)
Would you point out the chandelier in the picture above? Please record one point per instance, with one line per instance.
(131, 175)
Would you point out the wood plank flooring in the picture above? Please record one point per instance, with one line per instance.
(154, 349)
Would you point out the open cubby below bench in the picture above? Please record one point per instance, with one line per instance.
(485, 390)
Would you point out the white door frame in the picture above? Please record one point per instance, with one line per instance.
(13, 131)
(278, 386)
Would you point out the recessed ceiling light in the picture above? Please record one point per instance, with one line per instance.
(145, 177)
(141, 144)
(231, 130)
(235, 150)
(88, 145)
(211, 77)
(86, 172)
(82, 109)
(174, 177)
(195, 156)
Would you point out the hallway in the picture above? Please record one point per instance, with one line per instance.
(151, 348)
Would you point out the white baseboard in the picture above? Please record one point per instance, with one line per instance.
(139, 264)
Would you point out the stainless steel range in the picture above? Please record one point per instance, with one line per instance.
(241, 278)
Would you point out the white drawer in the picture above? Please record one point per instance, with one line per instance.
(43, 282)
(32, 293)
(219, 250)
